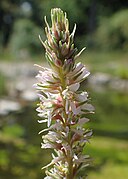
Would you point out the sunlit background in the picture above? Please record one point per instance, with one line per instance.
(102, 26)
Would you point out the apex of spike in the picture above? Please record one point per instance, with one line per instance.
(59, 45)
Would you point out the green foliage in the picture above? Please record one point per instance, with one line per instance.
(110, 118)
(72, 8)
(122, 72)
(110, 158)
(25, 38)
(112, 32)
(20, 153)
(13, 131)
(85, 13)
(113, 63)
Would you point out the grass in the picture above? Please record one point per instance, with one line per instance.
(110, 158)
(111, 171)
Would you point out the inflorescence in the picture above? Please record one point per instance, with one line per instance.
(62, 105)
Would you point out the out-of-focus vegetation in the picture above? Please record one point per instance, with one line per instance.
(110, 158)
(2, 85)
(112, 32)
(102, 26)
(20, 153)
(21, 156)
(114, 63)
(29, 45)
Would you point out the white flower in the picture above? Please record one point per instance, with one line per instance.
(88, 107)
(46, 75)
(48, 81)
(83, 121)
(74, 87)
(82, 96)
(50, 107)
(78, 74)
(49, 118)
(74, 109)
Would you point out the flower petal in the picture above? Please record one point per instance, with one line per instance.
(88, 107)
(74, 87)
(83, 121)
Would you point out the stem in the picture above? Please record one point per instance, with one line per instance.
(70, 162)
(69, 157)
(70, 174)
(62, 78)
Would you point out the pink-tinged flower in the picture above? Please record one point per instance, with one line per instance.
(77, 103)
(48, 81)
(57, 117)
(75, 110)
(58, 101)
(78, 74)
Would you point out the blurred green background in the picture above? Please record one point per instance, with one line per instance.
(102, 26)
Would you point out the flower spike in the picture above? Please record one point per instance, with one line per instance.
(62, 106)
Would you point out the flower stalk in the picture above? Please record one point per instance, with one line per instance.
(62, 105)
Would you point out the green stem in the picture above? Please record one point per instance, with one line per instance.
(69, 157)
(62, 78)
(70, 168)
